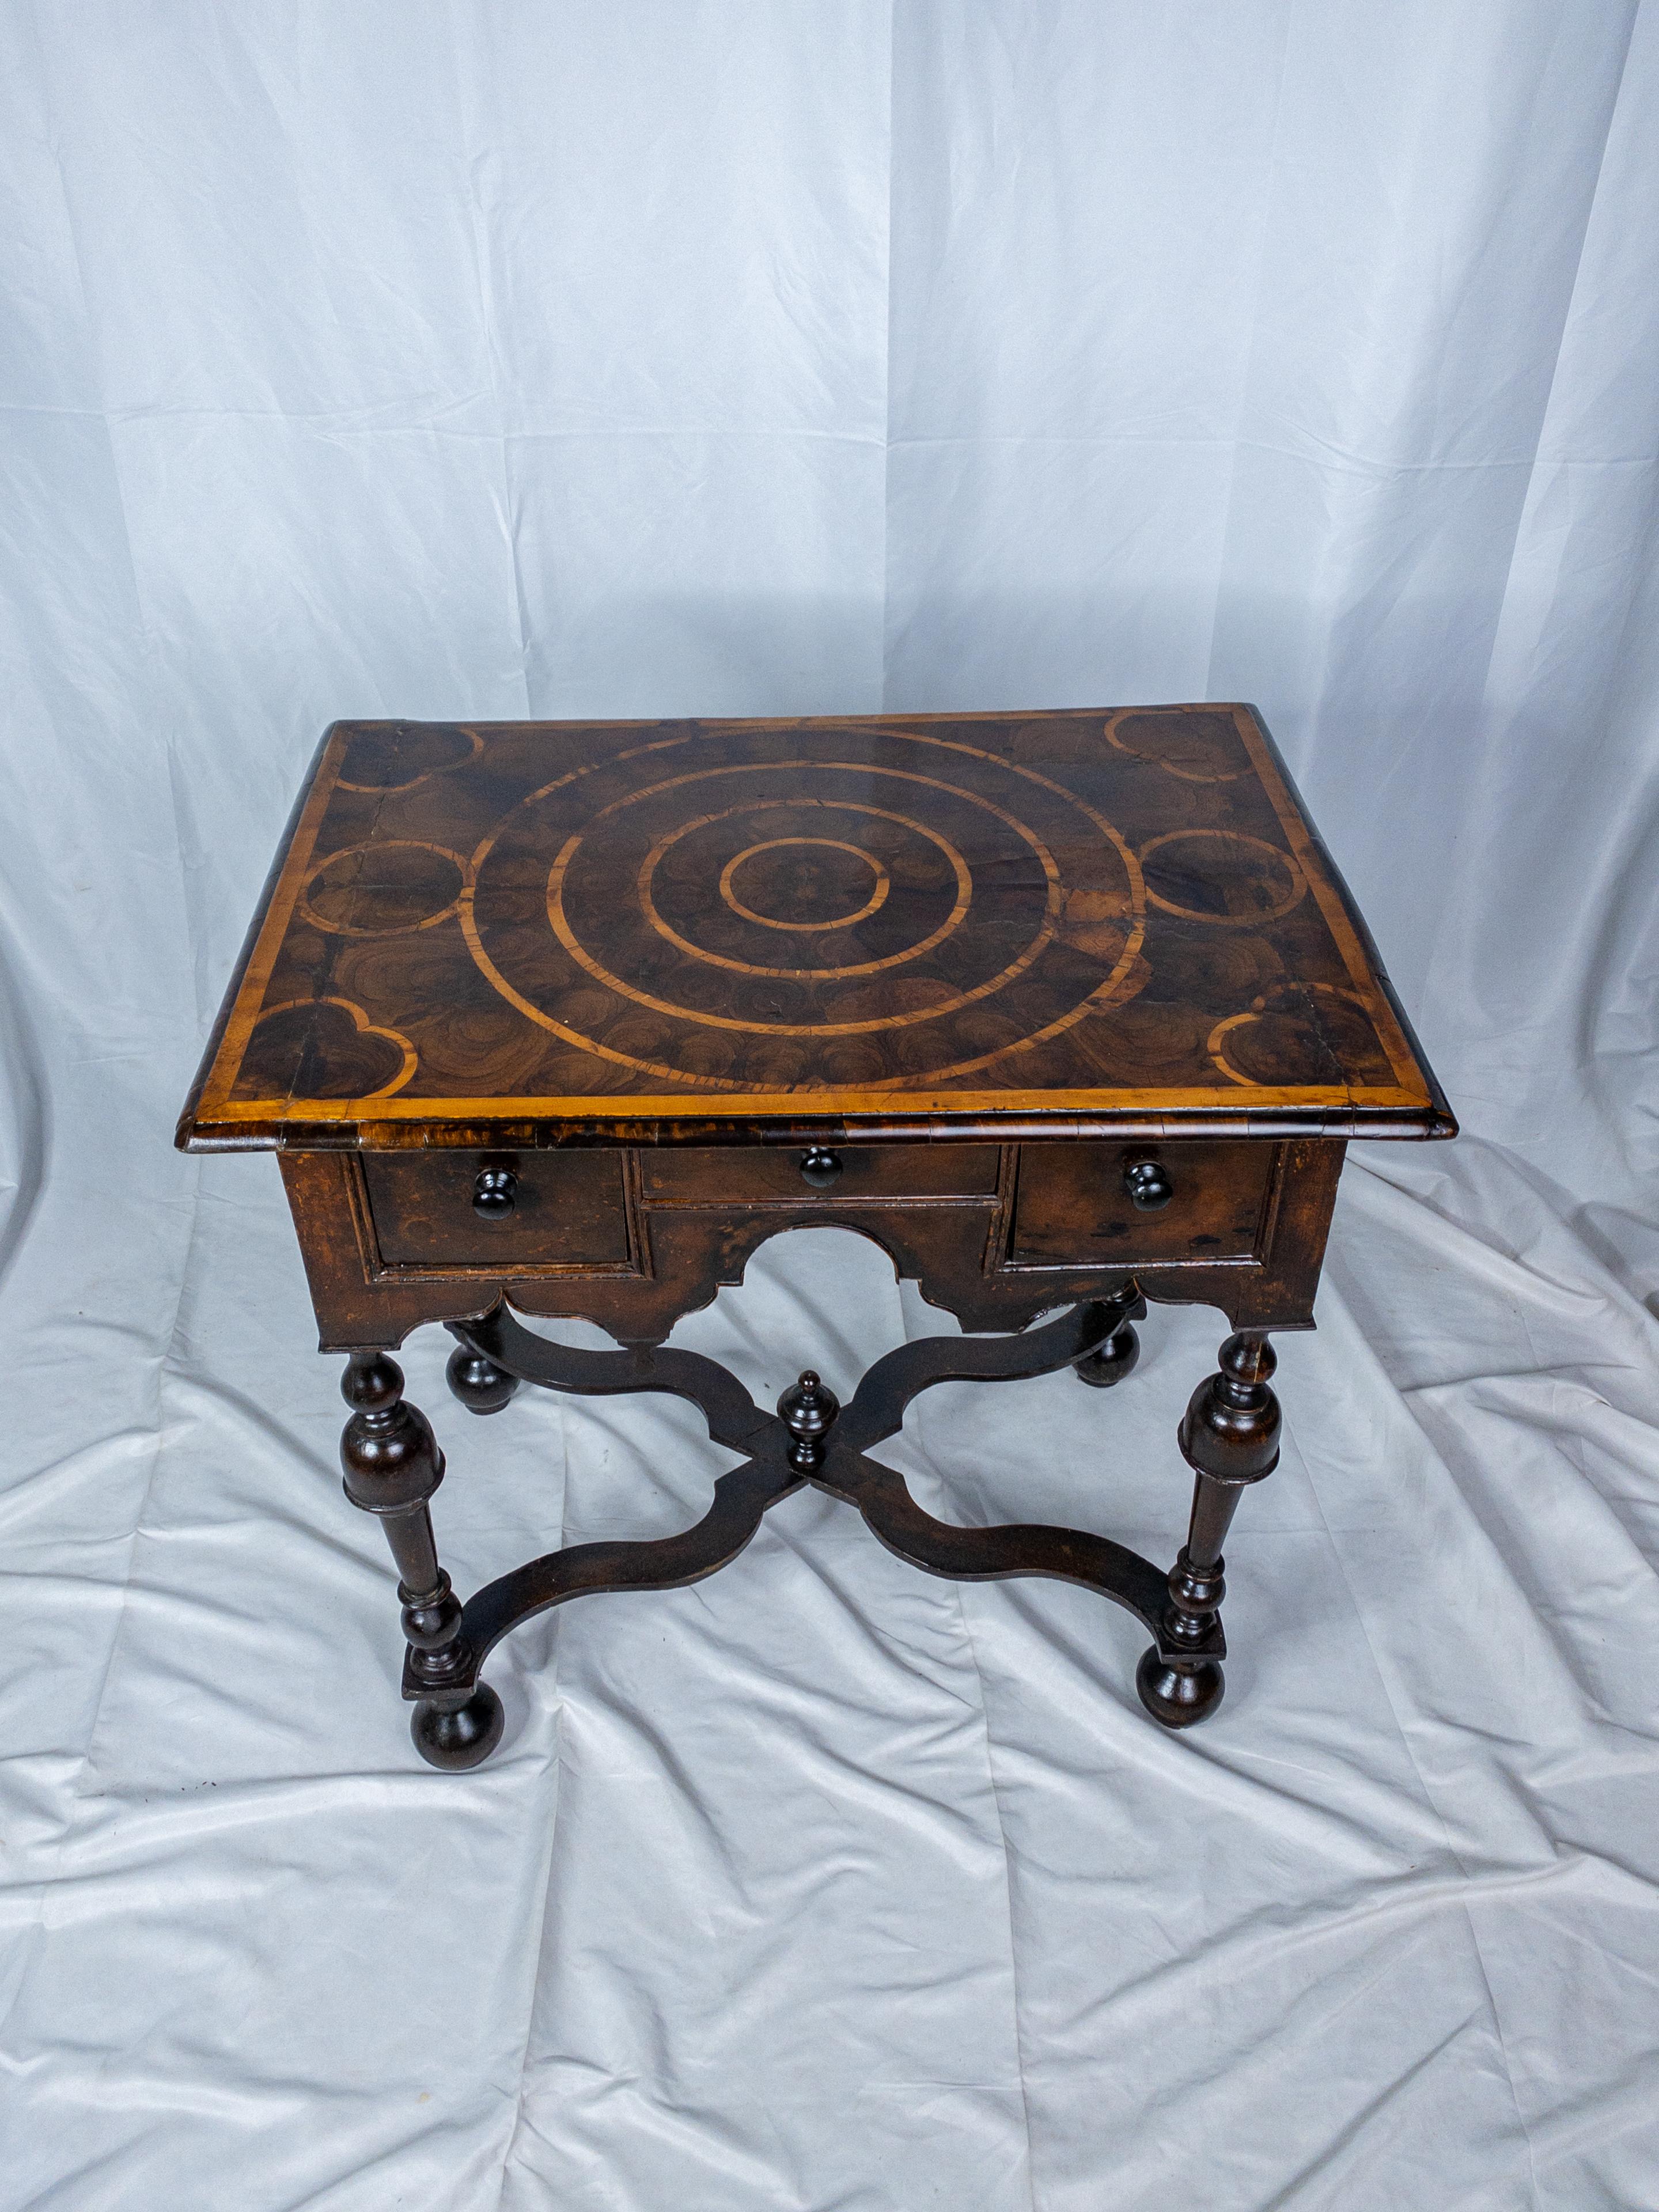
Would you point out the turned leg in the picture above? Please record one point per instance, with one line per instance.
(1116, 1358)
(481, 1386)
(392, 1465)
(1229, 1438)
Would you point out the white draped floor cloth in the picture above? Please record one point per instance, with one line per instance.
(713, 356)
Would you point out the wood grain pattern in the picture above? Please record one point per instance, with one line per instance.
(569, 1208)
(1072, 1203)
(766, 1175)
(839, 1468)
(1058, 1010)
(973, 1257)
(725, 932)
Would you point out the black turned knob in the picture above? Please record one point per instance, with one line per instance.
(1148, 1183)
(807, 1409)
(494, 1193)
(820, 1167)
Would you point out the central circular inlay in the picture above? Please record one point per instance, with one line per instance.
(769, 910)
(818, 877)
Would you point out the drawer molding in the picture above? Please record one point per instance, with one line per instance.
(769, 1176)
(1072, 1205)
(573, 1213)
(961, 1253)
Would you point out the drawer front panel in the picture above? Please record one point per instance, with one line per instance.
(1073, 1208)
(757, 1174)
(569, 1208)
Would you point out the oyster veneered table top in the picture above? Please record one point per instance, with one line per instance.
(1110, 918)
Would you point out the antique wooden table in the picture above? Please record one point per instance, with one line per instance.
(1063, 1010)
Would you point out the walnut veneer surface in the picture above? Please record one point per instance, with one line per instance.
(1097, 917)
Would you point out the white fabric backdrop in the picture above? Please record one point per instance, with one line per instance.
(713, 356)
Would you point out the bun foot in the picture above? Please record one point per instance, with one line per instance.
(481, 1386)
(461, 1736)
(1114, 1359)
(1179, 1693)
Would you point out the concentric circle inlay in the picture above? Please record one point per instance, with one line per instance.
(695, 930)
(843, 968)
(710, 912)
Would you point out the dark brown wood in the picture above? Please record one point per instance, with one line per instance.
(741, 1497)
(480, 1385)
(1119, 1356)
(808, 1410)
(809, 1439)
(481, 930)
(1229, 1438)
(979, 1259)
(426, 1212)
(1075, 1198)
(940, 1547)
(772, 1175)
(1063, 1010)
(392, 1467)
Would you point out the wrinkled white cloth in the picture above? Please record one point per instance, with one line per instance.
(718, 358)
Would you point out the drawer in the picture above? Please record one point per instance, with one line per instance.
(1073, 1207)
(566, 1209)
(759, 1175)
